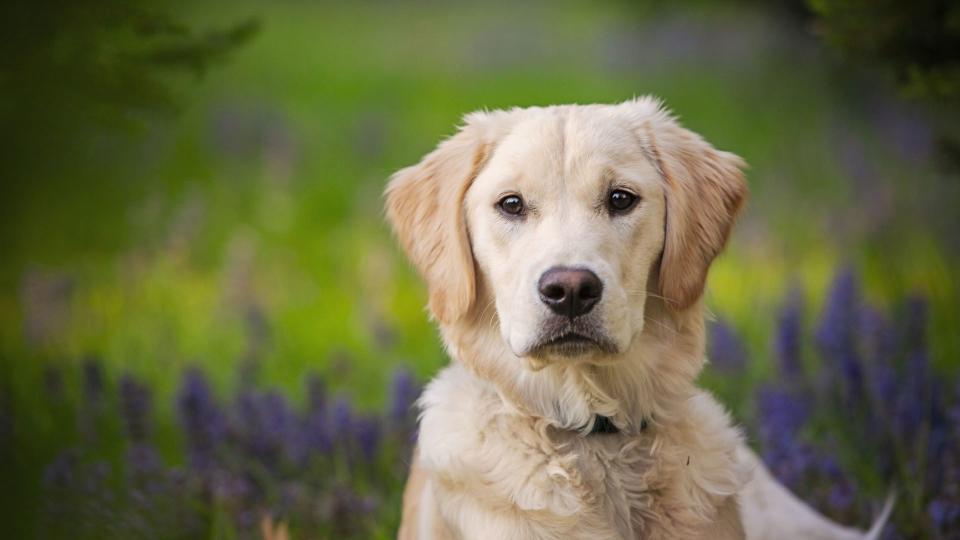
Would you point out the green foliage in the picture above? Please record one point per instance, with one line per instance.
(919, 40)
(99, 60)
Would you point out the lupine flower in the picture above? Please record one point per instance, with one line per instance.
(878, 343)
(255, 457)
(61, 472)
(316, 431)
(342, 420)
(784, 412)
(403, 392)
(135, 403)
(788, 336)
(836, 335)
(368, 434)
(944, 515)
(265, 425)
(727, 351)
(876, 336)
(230, 487)
(781, 416)
(279, 420)
(143, 461)
(840, 495)
(204, 424)
(912, 400)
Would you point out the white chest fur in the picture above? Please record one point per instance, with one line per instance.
(499, 474)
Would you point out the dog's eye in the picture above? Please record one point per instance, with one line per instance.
(621, 201)
(511, 205)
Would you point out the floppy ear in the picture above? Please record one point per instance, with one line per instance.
(705, 190)
(425, 207)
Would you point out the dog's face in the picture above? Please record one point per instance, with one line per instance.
(566, 222)
(573, 216)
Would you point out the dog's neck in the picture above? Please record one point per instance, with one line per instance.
(645, 384)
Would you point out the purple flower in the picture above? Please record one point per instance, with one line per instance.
(136, 408)
(912, 399)
(944, 515)
(836, 336)
(781, 417)
(788, 336)
(315, 433)
(878, 344)
(62, 471)
(143, 462)
(203, 422)
(343, 418)
(266, 423)
(877, 337)
(840, 494)
(368, 434)
(403, 393)
(727, 351)
(782, 412)
(229, 487)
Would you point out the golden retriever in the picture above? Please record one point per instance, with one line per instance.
(566, 250)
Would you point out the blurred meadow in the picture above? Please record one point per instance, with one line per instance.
(206, 329)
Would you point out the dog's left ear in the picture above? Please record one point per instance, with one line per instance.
(424, 205)
(705, 190)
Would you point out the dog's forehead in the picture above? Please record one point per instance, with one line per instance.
(564, 136)
(581, 147)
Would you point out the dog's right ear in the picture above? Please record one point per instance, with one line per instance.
(425, 207)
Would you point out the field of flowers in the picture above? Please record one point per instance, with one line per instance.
(206, 330)
(853, 412)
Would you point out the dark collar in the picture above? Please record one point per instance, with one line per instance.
(603, 424)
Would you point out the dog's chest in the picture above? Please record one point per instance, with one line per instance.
(554, 483)
(500, 474)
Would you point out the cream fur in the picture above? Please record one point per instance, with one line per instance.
(503, 449)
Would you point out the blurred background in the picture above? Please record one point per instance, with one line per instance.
(206, 330)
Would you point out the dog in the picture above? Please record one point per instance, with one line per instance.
(565, 251)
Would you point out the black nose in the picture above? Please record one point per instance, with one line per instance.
(570, 291)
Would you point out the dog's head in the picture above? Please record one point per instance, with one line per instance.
(563, 221)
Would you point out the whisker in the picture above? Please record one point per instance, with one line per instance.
(662, 324)
(483, 312)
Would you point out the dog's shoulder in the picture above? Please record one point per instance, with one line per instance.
(455, 409)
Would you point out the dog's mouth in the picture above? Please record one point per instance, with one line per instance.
(572, 343)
